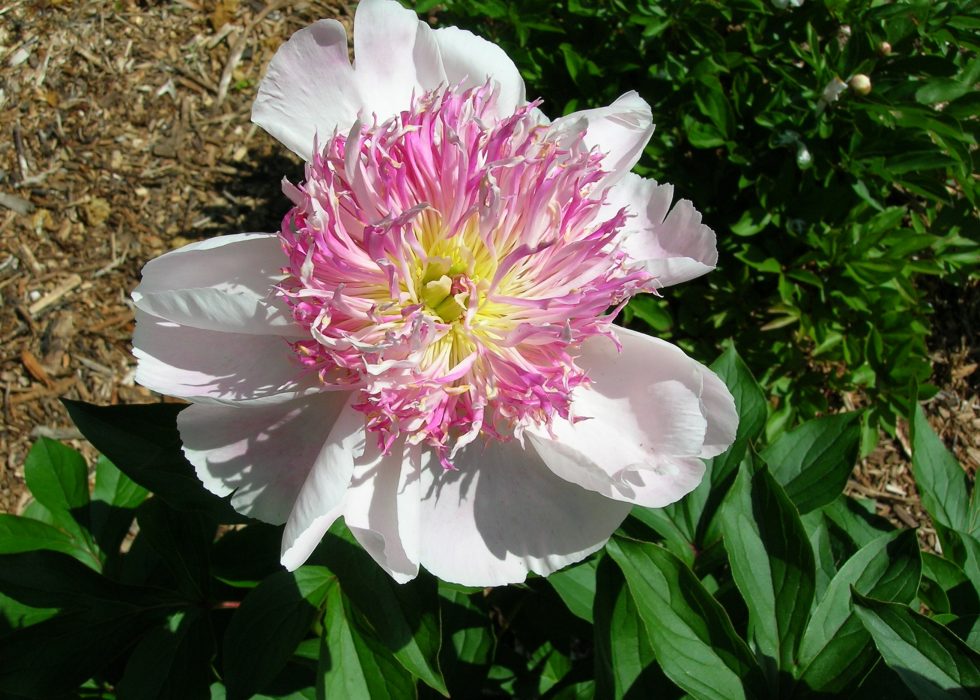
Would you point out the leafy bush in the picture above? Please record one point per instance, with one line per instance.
(829, 213)
(766, 580)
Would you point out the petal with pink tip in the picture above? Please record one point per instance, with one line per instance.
(259, 453)
(674, 247)
(470, 60)
(214, 367)
(620, 131)
(650, 417)
(221, 284)
(396, 57)
(292, 107)
(382, 507)
(321, 499)
(502, 513)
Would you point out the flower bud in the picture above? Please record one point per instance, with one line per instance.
(860, 83)
(884, 48)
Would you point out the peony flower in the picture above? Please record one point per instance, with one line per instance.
(426, 347)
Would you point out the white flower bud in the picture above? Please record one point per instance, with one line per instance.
(860, 83)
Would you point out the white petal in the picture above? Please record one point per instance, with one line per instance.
(396, 57)
(261, 452)
(719, 407)
(620, 131)
(674, 248)
(650, 418)
(213, 367)
(309, 89)
(321, 499)
(502, 513)
(221, 284)
(382, 507)
(470, 60)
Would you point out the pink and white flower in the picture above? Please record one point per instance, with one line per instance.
(426, 347)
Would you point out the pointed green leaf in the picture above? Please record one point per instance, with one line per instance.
(19, 534)
(772, 564)
(272, 620)
(836, 649)
(404, 617)
(56, 476)
(692, 514)
(813, 461)
(172, 660)
(576, 586)
(183, 540)
(690, 632)
(941, 481)
(625, 665)
(468, 640)
(353, 664)
(931, 660)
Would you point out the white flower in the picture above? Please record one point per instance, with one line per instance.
(424, 348)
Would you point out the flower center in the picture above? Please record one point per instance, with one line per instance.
(447, 265)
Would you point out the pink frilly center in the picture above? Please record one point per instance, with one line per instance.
(447, 264)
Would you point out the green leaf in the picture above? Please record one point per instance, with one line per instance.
(945, 588)
(353, 664)
(114, 487)
(836, 649)
(58, 479)
(576, 586)
(690, 632)
(52, 658)
(143, 442)
(56, 476)
(941, 482)
(931, 660)
(183, 540)
(750, 402)
(692, 514)
(272, 620)
(772, 564)
(404, 617)
(468, 641)
(172, 660)
(47, 579)
(113, 507)
(19, 534)
(859, 524)
(813, 461)
(625, 665)
(100, 619)
(14, 614)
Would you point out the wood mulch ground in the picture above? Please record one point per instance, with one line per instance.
(127, 134)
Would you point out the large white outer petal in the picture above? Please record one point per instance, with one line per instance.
(221, 284)
(620, 131)
(674, 247)
(262, 453)
(652, 413)
(396, 57)
(382, 507)
(469, 60)
(213, 367)
(502, 513)
(309, 89)
(321, 499)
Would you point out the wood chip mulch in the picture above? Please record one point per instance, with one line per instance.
(127, 135)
